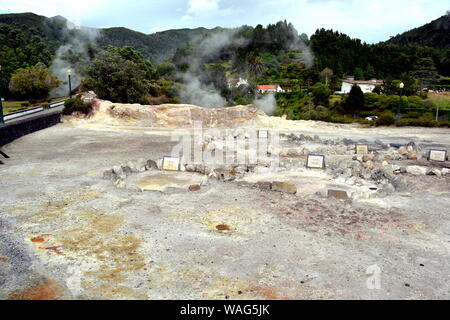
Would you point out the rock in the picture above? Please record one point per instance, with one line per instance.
(369, 164)
(385, 163)
(403, 150)
(194, 187)
(367, 158)
(399, 183)
(88, 97)
(119, 183)
(263, 163)
(338, 194)
(127, 170)
(117, 170)
(110, 175)
(285, 187)
(435, 172)
(387, 190)
(378, 157)
(151, 165)
(225, 174)
(291, 153)
(445, 171)
(264, 185)
(416, 170)
(204, 181)
(412, 156)
(317, 139)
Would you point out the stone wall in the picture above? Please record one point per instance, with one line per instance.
(21, 127)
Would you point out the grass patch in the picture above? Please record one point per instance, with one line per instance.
(13, 106)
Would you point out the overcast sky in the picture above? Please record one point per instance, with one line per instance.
(369, 20)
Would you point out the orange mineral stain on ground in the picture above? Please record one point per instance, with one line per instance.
(40, 238)
(3, 259)
(48, 290)
(55, 249)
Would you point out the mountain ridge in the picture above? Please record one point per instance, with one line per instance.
(435, 34)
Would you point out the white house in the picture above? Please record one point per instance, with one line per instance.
(266, 88)
(366, 86)
(234, 83)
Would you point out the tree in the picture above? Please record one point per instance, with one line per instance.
(255, 65)
(166, 69)
(359, 74)
(326, 74)
(120, 77)
(34, 82)
(355, 100)
(425, 70)
(19, 49)
(370, 72)
(321, 94)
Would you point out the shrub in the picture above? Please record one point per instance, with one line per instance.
(385, 119)
(25, 104)
(420, 122)
(341, 119)
(34, 82)
(76, 105)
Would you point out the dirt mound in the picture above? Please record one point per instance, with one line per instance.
(174, 115)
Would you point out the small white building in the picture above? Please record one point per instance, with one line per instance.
(366, 86)
(267, 88)
(234, 83)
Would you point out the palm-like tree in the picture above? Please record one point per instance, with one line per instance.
(255, 65)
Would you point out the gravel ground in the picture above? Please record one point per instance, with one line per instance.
(67, 233)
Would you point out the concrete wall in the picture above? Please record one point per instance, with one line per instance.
(18, 128)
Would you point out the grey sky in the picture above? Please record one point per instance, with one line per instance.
(369, 20)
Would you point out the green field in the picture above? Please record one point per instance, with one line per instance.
(441, 100)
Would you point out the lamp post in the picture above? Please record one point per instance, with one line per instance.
(69, 74)
(2, 119)
(400, 102)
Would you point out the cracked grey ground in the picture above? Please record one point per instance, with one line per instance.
(68, 233)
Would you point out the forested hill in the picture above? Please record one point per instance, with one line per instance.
(435, 34)
(156, 47)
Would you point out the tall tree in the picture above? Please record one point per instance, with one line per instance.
(118, 77)
(355, 100)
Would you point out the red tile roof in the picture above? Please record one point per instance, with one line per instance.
(267, 86)
(378, 82)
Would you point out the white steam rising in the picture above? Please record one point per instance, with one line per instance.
(196, 92)
(266, 103)
(79, 40)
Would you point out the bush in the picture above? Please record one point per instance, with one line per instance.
(76, 105)
(34, 82)
(420, 122)
(341, 119)
(385, 119)
(25, 104)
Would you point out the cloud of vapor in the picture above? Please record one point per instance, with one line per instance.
(200, 94)
(195, 91)
(266, 103)
(74, 56)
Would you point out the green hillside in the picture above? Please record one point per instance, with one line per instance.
(435, 34)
